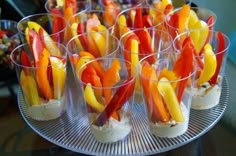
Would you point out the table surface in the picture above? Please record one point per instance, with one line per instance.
(17, 138)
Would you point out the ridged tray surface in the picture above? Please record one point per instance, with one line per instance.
(73, 133)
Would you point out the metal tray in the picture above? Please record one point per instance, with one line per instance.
(73, 133)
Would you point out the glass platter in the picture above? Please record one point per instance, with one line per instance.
(72, 131)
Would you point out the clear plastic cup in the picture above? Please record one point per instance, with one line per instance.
(109, 97)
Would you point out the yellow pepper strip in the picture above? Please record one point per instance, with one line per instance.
(74, 33)
(170, 75)
(170, 98)
(110, 78)
(58, 76)
(42, 78)
(91, 100)
(100, 42)
(80, 63)
(209, 65)
(29, 88)
(193, 19)
(48, 41)
(199, 36)
(134, 60)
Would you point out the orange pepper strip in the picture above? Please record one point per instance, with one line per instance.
(41, 73)
(91, 24)
(183, 16)
(155, 104)
(110, 78)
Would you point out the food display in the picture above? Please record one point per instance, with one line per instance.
(163, 60)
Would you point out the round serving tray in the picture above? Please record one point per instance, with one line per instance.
(73, 133)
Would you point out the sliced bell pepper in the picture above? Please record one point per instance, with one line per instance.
(74, 33)
(146, 45)
(127, 49)
(219, 56)
(25, 60)
(110, 78)
(210, 21)
(183, 18)
(154, 102)
(58, 76)
(147, 21)
(36, 45)
(138, 20)
(42, 77)
(99, 69)
(48, 41)
(170, 98)
(183, 67)
(29, 88)
(91, 100)
(100, 42)
(89, 75)
(122, 95)
(209, 65)
(83, 39)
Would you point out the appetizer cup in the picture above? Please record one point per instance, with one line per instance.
(167, 101)
(187, 18)
(42, 78)
(109, 97)
(139, 17)
(211, 62)
(138, 43)
(49, 27)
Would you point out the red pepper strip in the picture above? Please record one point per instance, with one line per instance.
(36, 45)
(121, 96)
(82, 38)
(147, 21)
(219, 57)
(25, 61)
(57, 26)
(197, 57)
(183, 67)
(145, 45)
(89, 75)
(210, 21)
(154, 102)
(168, 9)
(173, 24)
(138, 19)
